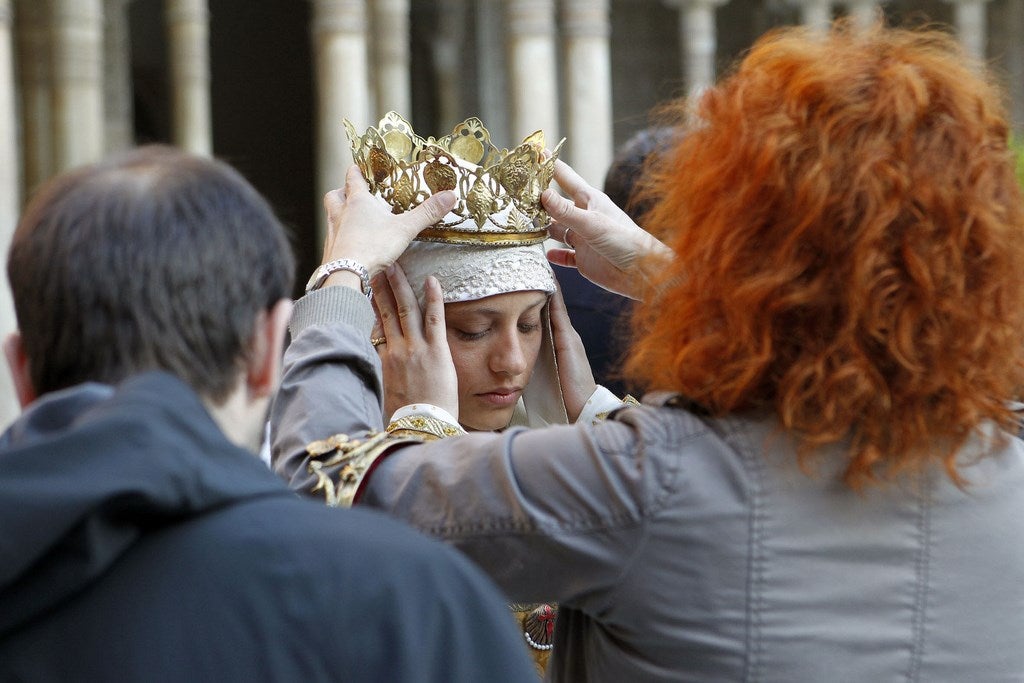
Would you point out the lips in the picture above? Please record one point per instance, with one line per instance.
(502, 396)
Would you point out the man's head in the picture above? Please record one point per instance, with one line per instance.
(151, 260)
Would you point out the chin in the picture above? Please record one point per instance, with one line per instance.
(490, 422)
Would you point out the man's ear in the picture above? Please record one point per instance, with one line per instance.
(17, 363)
(264, 366)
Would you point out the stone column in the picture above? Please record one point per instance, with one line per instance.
(449, 55)
(699, 41)
(863, 11)
(117, 82)
(586, 30)
(342, 87)
(971, 25)
(1012, 24)
(492, 81)
(816, 14)
(391, 33)
(10, 173)
(10, 194)
(77, 49)
(188, 33)
(36, 81)
(533, 69)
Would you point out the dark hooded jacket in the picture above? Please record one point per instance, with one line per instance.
(138, 543)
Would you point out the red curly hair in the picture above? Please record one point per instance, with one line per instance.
(849, 235)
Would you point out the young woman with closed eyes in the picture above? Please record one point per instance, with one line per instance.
(504, 321)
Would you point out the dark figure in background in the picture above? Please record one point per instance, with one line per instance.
(140, 537)
(602, 317)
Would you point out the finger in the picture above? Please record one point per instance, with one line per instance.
(567, 215)
(378, 329)
(386, 307)
(583, 194)
(558, 312)
(354, 181)
(406, 306)
(569, 180)
(562, 257)
(431, 210)
(334, 200)
(566, 240)
(378, 339)
(433, 313)
(561, 323)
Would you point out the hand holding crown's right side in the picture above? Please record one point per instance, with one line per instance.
(607, 247)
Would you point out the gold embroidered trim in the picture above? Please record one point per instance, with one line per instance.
(450, 236)
(627, 400)
(429, 428)
(340, 463)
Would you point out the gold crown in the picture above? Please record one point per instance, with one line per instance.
(498, 189)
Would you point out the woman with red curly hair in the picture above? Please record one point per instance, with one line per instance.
(824, 483)
(850, 255)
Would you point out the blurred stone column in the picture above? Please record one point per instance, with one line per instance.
(586, 30)
(77, 50)
(10, 173)
(1010, 26)
(863, 11)
(533, 69)
(492, 81)
(342, 87)
(118, 130)
(188, 32)
(391, 33)
(448, 51)
(699, 40)
(816, 14)
(36, 81)
(971, 24)
(10, 196)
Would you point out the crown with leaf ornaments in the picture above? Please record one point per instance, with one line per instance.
(498, 189)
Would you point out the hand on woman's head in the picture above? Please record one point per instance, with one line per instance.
(416, 361)
(361, 226)
(574, 373)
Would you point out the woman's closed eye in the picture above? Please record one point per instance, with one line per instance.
(467, 335)
(527, 328)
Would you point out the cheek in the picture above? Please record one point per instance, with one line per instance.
(466, 359)
(532, 349)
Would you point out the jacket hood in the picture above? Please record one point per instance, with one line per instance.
(85, 472)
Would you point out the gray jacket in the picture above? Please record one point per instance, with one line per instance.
(683, 548)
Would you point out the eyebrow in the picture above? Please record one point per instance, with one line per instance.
(492, 312)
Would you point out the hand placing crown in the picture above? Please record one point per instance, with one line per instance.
(499, 189)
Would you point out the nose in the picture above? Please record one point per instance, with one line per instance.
(508, 356)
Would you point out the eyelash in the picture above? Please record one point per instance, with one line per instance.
(525, 328)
